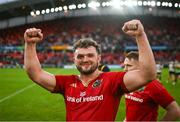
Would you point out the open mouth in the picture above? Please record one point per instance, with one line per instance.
(85, 65)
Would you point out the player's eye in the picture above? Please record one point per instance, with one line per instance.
(80, 56)
(90, 55)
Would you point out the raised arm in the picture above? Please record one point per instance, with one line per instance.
(31, 62)
(147, 70)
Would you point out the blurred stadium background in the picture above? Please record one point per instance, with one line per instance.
(65, 21)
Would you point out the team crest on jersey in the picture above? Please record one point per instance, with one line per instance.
(142, 89)
(97, 83)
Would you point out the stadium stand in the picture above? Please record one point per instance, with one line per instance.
(56, 48)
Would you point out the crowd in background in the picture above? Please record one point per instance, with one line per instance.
(163, 34)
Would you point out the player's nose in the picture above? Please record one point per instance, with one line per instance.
(85, 58)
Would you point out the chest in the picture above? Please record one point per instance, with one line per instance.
(76, 92)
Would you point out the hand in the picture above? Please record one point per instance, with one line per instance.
(133, 28)
(33, 35)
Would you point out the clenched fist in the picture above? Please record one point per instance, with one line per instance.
(133, 28)
(33, 35)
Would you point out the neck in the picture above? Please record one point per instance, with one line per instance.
(89, 77)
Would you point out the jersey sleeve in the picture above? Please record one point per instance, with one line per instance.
(118, 85)
(61, 81)
(159, 94)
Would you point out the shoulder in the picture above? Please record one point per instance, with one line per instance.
(113, 74)
(154, 83)
(155, 87)
(65, 77)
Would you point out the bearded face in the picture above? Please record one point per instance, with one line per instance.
(87, 67)
(86, 60)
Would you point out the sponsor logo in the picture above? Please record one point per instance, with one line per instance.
(82, 94)
(84, 99)
(131, 93)
(133, 98)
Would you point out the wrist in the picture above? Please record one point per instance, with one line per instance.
(30, 44)
(141, 35)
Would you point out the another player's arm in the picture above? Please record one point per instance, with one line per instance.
(163, 98)
(31, 62)
(172, 112)
(147, 71)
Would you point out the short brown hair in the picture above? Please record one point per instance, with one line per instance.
(133, 55)
(85, 43)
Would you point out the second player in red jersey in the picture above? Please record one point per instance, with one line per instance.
(143, 104)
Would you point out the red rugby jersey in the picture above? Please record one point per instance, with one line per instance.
(99, 101)
(142, 105)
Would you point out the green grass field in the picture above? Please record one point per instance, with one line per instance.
(22, 100)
